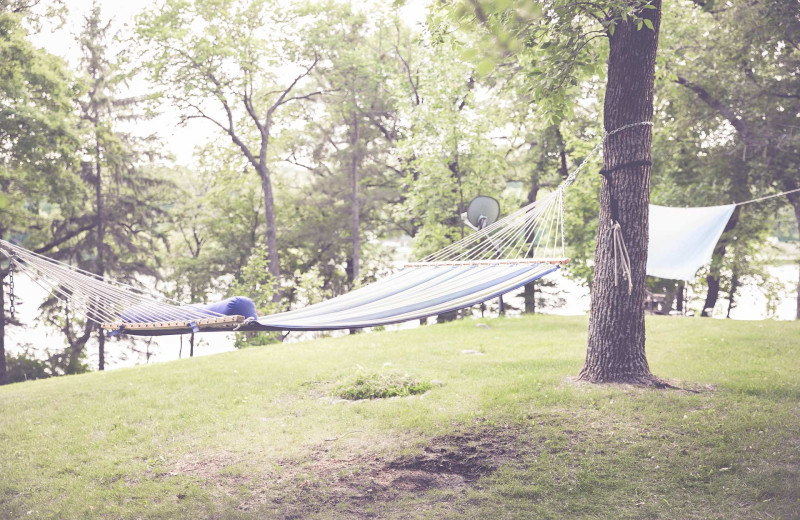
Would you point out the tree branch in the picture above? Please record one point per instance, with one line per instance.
(282, 98)
(722, 109)
(414, 86)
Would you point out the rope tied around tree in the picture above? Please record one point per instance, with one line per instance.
(621, 257)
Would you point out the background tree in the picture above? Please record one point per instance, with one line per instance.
(222, 63)
(740, 64)
(38, 188)
(344, 147)
(122, 193)
(125, 191)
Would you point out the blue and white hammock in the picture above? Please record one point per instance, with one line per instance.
(506, 255)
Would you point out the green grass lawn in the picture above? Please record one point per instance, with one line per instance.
(498, 433)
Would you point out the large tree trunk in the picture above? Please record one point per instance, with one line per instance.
(616, 346)
(272, 234)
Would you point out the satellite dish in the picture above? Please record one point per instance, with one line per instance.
(483, 211)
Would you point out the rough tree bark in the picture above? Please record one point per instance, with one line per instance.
(616, 346)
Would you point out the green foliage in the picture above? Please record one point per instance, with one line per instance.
(39, 138)
(25, 366)
(556, 46)
(727, 108)
(122, 190)
(256, 282)
(216, 222)
(379, 385)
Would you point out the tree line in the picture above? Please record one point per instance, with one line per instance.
(339, 128)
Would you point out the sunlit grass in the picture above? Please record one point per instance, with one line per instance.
(238, 435)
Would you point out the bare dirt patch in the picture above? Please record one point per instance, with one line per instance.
(358, 486)
(663, 384)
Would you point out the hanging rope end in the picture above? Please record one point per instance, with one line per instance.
(620, 256)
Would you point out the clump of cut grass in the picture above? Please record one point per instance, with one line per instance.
(373, 385)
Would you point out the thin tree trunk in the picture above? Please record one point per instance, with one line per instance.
(455, 171)
(354, 264)
(732, 294)
(529, 292)
(354, 207)
(100, 269)
(562, 153)
(529, 295)
(272, 234)
(3, 368)
(713, 282)
(797, 315)
(714, 278)
(794, 199)
(616, 346)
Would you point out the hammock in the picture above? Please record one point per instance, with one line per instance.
(512, 252)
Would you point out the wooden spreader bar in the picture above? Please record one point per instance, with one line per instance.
(517, 261)
(222, 322)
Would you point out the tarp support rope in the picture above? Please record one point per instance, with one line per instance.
(759, 199)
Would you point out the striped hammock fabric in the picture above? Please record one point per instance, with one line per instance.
(465, 274)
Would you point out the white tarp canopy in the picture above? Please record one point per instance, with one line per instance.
(683, 239)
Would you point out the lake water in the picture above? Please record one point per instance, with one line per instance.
(751, 305)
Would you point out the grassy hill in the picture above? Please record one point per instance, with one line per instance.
(500, 433)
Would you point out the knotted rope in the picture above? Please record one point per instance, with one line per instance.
(621, 250)
(621, 257)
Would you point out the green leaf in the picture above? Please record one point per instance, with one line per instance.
(649, 24)
(639, 25)
(611, 29)
(485, 66)
(648, 6)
